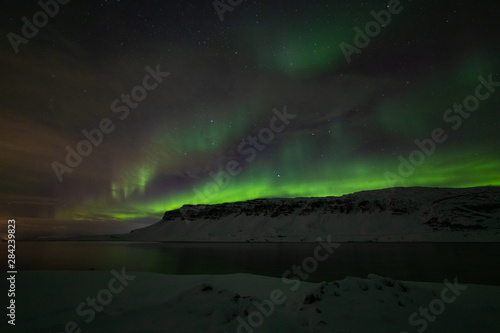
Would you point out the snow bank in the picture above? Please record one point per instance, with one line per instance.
(244, 303)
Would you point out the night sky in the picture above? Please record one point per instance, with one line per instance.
(350, 120)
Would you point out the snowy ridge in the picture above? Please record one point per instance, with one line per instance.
(399, 214)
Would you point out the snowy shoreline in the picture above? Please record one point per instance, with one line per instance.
(150, 302)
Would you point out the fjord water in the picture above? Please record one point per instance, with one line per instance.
(477, 263)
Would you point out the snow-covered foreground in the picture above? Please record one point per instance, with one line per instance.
(62, 301)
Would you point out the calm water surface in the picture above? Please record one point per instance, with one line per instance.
(432, 262)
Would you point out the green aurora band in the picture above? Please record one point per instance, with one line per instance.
(311, 159)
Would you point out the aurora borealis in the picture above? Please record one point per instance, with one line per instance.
(353, 120)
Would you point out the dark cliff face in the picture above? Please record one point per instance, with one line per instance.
(286, 207)
(302, 206)
(437, 207)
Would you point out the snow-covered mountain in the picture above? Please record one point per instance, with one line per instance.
(398, 214)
